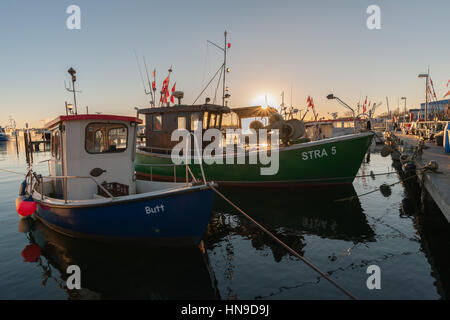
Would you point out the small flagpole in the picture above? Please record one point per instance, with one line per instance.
(154, 89)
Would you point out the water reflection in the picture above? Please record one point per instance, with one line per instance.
(120, 272)
(433, 228)
(3, 147)
(291, 214)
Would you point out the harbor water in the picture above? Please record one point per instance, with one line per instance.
(236, 259)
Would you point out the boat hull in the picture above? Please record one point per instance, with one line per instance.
(176, 219)
(321, 163)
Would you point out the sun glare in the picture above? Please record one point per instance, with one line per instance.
(265, 100)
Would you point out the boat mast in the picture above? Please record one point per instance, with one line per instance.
(72, 72)
(224, 67)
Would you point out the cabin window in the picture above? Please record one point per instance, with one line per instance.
(212, 120)
(206, 116)
(181, 123)
(230, 120)
(56, 145)
(157, 123)
(195, 119)
(106, 137)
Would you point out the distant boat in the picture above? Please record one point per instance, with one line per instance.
(3, 135)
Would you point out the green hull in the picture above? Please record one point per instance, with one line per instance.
(330, 161)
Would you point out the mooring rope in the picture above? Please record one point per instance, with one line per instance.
(292, 251)
(375, 190)
(430, 167)
(9, 171)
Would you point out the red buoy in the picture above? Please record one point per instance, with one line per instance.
(31, 253)
(25, 207)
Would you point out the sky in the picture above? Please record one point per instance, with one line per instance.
(314, 47)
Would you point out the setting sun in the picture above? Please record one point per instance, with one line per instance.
(265, 100)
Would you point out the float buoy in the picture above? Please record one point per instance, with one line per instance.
(31, 253)
(25, 206)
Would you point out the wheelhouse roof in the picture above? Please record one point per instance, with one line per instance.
(255, 111)
(186, 108)
(80, 117)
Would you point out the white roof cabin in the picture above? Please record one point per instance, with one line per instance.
(81, 143)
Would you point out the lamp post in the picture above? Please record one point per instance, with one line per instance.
(404, 114)
(426, 76)
(331, 96)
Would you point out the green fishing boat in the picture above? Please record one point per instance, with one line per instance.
(330, 161)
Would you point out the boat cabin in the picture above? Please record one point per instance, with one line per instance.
(88, 147)
(161, 122)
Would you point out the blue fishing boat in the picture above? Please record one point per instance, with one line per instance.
(91, 190)
(3, 135)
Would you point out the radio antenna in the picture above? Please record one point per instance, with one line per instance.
(140, 73)
(149, 83)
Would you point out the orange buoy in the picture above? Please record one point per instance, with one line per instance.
(25, 207)
(19, 199)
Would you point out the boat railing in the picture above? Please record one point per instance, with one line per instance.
(41, 178)
(155, 150)
(188, 170)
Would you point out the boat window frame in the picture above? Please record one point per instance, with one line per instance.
(178, 122)
(195, 119)
(154, 117)
(106, 137)
(56, 148)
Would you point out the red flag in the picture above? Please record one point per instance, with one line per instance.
(448, 82)
(164, 90)
(154, 80)
(310, 102)
(173, 90)
(165, 84)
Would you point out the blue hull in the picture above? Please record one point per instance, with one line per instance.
(177, 219)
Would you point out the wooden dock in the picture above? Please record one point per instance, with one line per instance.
(436, 183)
